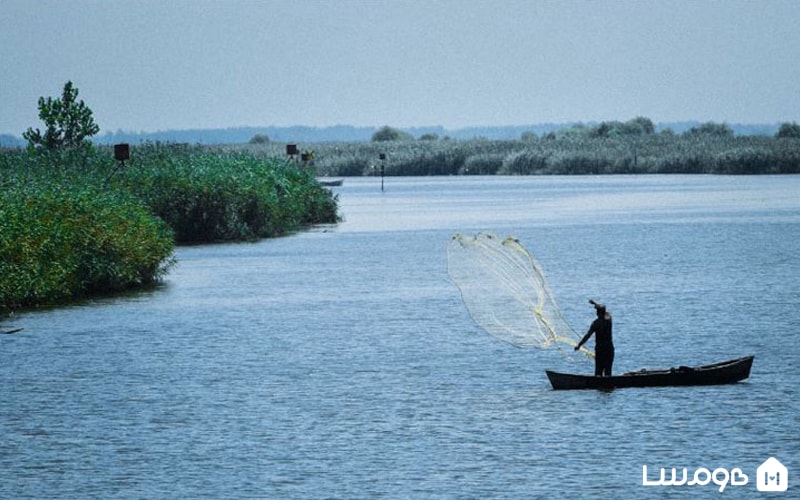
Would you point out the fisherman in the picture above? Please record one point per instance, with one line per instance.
(604, 346)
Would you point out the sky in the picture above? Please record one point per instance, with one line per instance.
(150, 65)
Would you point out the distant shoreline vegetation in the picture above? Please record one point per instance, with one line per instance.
(349, 133)
(636, 146)
(632, 147)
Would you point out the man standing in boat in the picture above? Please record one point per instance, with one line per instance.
(604, 345)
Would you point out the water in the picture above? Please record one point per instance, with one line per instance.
(340, 363)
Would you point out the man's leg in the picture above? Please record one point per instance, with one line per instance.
(609, 362)
(598, 364)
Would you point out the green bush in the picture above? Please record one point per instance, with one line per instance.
(71, 226)
(788, 131)
(63, 242)
(216, 195)
(387, 133)
(483, 164)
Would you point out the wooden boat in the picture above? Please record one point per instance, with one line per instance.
(726, 372)
(330, 182)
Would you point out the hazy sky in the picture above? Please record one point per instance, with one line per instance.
(171, 64)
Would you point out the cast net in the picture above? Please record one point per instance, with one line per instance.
(505, 292)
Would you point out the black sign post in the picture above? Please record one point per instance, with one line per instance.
(122, 153)
(382, 157)
(291, 151)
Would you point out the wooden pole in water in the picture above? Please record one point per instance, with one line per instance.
(383, 165)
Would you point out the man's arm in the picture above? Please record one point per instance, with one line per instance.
(585, 338)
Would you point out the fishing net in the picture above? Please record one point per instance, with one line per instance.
(505, 292)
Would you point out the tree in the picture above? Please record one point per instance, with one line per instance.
(637, 126)
(789, 130)
(387, 133)
(69, 122)
(642, 123)
(260, 138)
(711, 128)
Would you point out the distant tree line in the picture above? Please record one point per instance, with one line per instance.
(346, 133)
(639, 126)
(789, 131)
(632, 147)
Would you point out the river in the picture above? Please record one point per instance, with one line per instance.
(339, 362)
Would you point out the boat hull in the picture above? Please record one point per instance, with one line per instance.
(726, 372)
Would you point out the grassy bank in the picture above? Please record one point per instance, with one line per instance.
(212, 195)
(564, 155)
(71, 227)
(58, 244)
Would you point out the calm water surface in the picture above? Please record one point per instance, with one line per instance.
(340, 362)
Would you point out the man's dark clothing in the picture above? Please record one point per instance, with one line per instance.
(604, 345)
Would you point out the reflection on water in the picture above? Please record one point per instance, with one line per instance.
(339, 362)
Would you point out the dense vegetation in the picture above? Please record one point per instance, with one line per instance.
(60, 242)
(570, 152)
(213, 195)
(71, 226)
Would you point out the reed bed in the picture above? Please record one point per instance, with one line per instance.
(568, 154)
(71, 226)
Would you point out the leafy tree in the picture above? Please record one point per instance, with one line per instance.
(604, 129)
(642, 123)
(637, 126)
(259, 138)
(711, 128)
(789, 130)
(387, 133)
(575, 131)
(69, 122)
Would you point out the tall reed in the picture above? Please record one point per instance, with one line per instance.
(73, 225)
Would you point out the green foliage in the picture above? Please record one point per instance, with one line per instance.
(68, 231)
(260, 138)
(574, 151)
(216, 195)
(61, 242)
(68, 121)
(482, 164)
(788, 131)
(712, 129)
(387, 133)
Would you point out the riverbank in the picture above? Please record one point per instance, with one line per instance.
(570, 153)
(72, 226)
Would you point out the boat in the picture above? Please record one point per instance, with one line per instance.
(330, 182)
(726, 372)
